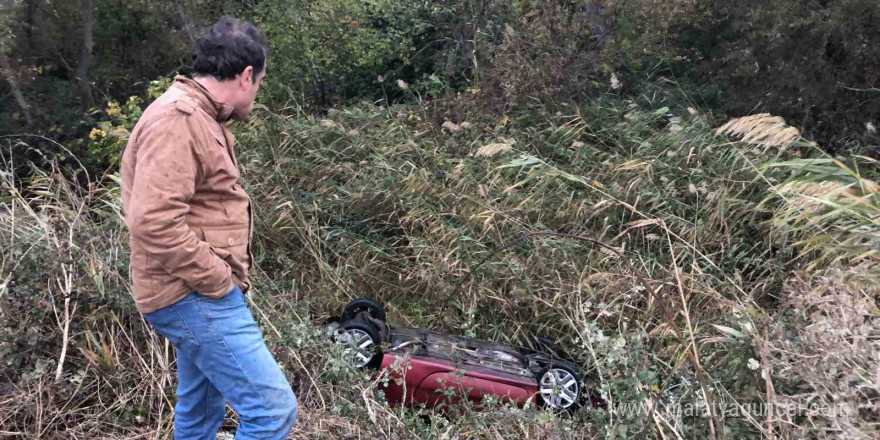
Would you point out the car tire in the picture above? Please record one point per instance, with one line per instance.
(559, 387)
(331, 321)
(353, 308)
(545, 344)
(363, 344)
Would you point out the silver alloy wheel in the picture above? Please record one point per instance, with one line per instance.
(359, 346)
(559, 388)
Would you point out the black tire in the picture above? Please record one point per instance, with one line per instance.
(363, 305)
(545, 343)
(331, 321)
(566, 396)
(352, 334)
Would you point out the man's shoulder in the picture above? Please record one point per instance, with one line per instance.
(172, 108)
(174, 102)
(185, 105)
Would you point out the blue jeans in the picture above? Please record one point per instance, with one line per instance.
(221, 356)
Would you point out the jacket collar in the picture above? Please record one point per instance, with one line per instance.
(216, 109)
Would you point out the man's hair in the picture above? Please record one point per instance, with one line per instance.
(227, 48)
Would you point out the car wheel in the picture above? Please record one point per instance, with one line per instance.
(362, 344)
(559, 387)
(359, 305)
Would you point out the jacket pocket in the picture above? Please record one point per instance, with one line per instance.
(142, 274)
(223, 156)
(138, 259)
(141, 282)
(142, 260)
(226, 239)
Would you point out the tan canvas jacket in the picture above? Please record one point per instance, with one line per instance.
(188, 218)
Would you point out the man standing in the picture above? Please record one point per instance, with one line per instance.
(191, 229)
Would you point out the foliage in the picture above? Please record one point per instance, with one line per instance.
(377, 201)
(831, 207)
(831, 394)
(334, 50)
(813, 63)
(7, 15)
(107, 141)
(548, 49)
(489, 120)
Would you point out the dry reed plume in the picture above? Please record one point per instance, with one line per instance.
(762, 129)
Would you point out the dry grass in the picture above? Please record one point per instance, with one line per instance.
(813, 194)
(832, 210)
(764, 130)
(402, 212)
(827, 375)
(490, 150)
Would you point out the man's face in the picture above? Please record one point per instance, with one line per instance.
(247, 93)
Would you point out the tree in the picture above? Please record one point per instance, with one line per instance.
(187, 24)
(82, 69)
(6, 38)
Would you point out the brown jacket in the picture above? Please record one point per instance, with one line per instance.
(188, 218)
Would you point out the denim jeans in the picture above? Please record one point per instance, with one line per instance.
(221, 356)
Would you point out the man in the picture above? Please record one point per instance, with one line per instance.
(191, 229)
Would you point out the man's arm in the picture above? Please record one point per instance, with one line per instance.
(168, 170)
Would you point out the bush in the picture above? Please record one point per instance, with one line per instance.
(746, 255)
(333, 51)
(815, 64)
(823, 357)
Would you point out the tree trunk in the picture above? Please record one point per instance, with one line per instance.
(477, 48)
(31, 24)
(452, 60)
(187, 25)
(16, 88)
(595, 12)
(452, 56)
(82, 70)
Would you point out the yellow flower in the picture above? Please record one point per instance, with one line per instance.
(113, 109)
(97, 133)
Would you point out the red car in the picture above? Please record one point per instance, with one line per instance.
(430, 368)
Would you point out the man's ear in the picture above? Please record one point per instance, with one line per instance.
(247, 77)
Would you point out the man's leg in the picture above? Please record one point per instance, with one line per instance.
(200, 406)
(234, 357)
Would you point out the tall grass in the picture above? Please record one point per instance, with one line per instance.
(381, 202)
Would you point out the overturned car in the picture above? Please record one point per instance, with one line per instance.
(432, 368)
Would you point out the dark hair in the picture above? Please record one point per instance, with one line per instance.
(227, 48)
